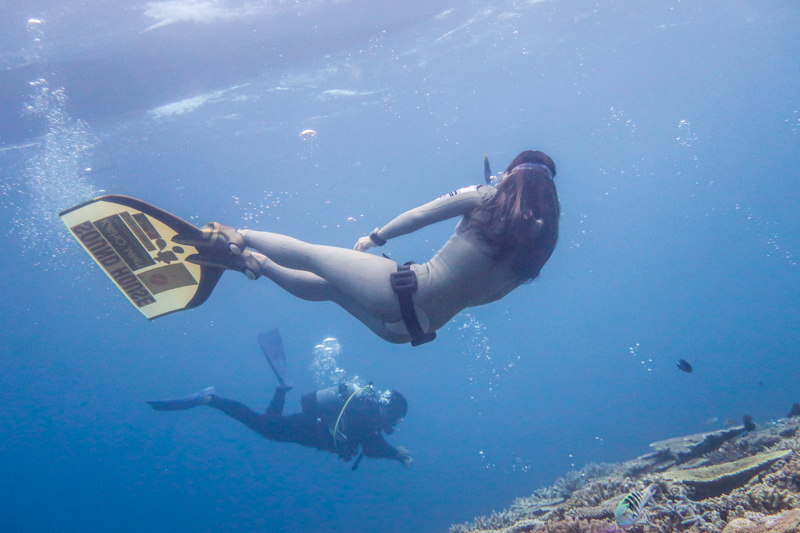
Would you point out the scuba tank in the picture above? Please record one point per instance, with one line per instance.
(327, 401)
(330, 404)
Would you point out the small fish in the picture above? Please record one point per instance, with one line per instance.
(712, 421)
(487, 169)
(684, 365)
(749, 425)
(630, 508)
(761, 384)
(731, 422)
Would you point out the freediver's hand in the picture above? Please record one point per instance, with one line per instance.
(404, 457)
(364, 244)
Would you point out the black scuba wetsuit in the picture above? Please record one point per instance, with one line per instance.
(362, 427)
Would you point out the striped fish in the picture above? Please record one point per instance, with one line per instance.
(630, 508)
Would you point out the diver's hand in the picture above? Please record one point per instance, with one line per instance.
(404, 457)
(364, 244)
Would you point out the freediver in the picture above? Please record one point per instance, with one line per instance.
(338, 419)
(505, 236)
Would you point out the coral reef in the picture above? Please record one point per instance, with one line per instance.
(728, 481)
(709, 481)
(786, 522)
(741, 448)
(741, 525)
(683, 449)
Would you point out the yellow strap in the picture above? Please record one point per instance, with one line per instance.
(341, 413)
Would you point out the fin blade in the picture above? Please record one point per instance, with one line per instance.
(184, 402)
(272, 346)
(131, 241)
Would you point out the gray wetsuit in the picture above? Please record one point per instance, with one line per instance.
(462, 274)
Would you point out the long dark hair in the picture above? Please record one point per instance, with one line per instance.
(521, 219)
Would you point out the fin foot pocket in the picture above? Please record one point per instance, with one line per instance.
(214, 236)
(245, 263)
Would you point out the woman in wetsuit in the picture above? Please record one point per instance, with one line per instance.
(504, 238)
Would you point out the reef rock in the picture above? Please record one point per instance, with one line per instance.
(683, 449)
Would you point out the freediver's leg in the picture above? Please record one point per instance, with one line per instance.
(311, 287)
(358, 275)
(299, 283)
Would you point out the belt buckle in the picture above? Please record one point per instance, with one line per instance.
(403, 281)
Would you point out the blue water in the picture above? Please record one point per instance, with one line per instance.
(675, 127)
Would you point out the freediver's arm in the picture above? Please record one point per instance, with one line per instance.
(454, 204)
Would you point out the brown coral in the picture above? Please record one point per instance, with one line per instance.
(740, 525)
(604, 510)
(787, 522)
(600, 491)
(770, 499)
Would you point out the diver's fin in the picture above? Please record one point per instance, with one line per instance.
(133, 242)
(358, 461)
(487, 169)
(272, 346)
(185, 402)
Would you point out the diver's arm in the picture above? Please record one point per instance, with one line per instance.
(375, 446)
(404, 457)
(456, 203)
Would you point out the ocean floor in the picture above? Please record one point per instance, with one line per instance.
(732, 480)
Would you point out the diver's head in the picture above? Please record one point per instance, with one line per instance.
(532, 157)
(521, 220)
(394, 407)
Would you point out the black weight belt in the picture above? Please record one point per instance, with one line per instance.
(404, 283)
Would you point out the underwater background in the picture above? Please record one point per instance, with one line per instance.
(674, 126)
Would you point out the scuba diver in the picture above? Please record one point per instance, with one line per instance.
(338, 420)
(504, 237)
